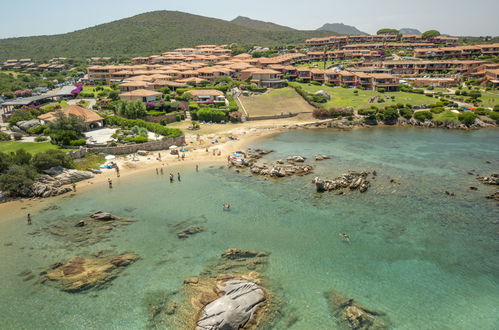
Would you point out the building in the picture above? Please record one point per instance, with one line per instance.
(143, 95)
(91, 118)
(204, 96)
(264, 77)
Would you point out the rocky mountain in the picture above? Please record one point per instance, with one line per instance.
(341, 28)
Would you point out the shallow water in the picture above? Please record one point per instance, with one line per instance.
(427, 260)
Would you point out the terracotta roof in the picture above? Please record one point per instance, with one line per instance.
(205, 92)
(86, 114)
(141, 92)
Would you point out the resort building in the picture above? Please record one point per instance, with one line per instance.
(143, 95)
(91, 118)
(204, 96)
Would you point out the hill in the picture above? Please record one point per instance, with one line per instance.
(341, 28)
(409, 31)
(260, 25)
(146, 34)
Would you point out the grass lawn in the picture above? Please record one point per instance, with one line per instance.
(490, 98)
(49, 106)
(345, 97)
(446, 116)
(275, 102)
(31, 147)
(91, 89)
(90, 161)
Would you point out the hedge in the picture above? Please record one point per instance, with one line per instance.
(152, 127)
(209, 114)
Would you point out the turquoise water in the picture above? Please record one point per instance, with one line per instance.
(427, 260)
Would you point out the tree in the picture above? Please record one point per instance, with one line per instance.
(467, 118)
(17, 180)
(5, 162)
(430, 34)
(70, 122)
(131, 109)
(50, 158)
(388, 31)
(20, 157)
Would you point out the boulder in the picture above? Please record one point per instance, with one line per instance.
(321, 157)
(493, 179)
(352, 180)
(296, 159)
(143, 152)
(235, 308)
(103, 216)
(27, 124)
(52, 185)
(323, 93)
(190, 231)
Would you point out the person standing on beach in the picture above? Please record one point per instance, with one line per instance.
(117, 171)
(74, 187)
(110, 182)
(157, 172)
(197, 168)
(29, 218)
(161, 171)
(178, 176)
(171, 177)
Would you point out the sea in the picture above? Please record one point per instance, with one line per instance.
(424, 258)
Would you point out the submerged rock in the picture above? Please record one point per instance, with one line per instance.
(351, 315)
(237, 254)
(80, 274)
(296, 159)
(322, 157)
(103, 216)
(235, 308)
(493, 179)
(190, 231)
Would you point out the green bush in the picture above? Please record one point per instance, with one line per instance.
(152, 127)
(423, 115)
(76, 143)
(482, 111)
(496, 107)
(179, 117)
(155, 113)
(17, 180)
(194, 114)
(4, 136)
(388, 114)
(50, 158)
(213, 115)
(36, 130)
(467, 118)
(137, 139)
(494, 116)
(380, 90)
(367, 112)
(41, 139)
(407, 113)
(19, 115)
(437, 110)
(64, 137)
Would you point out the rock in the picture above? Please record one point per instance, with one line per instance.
(103, 216)
(494, 196)
(16, 129)
(474, 188)
(323, 93)
(493, 179)
(27, 124)
(351, 315)
(296, 159)
(191, 280)
(80, 274)
(143, 152)
(48, 185)
(80, 223)
(235, 308)
(352, 180)
(237, 254)
(190, 231)
(321, 157)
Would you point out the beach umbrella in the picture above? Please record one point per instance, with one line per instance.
(109, 157)
(173, 147)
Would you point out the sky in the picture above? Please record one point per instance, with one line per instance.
(454, 17)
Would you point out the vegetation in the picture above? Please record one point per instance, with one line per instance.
(14, 81)
(467, 118)
(31, 147)
(90, 161)
(19, 169)
(423, 115)
(430, 34)
(152, 127)
(66, 129)
(388, 31)
(259, 25)
(163, 30)
(211, 115)
(275, 102)
(131, 109)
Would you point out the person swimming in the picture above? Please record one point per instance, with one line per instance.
(226, 206)
(346, 237)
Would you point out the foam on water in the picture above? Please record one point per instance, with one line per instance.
(428, 260)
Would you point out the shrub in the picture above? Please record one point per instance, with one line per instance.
(389, 114)
(406, 113)
(36, 130)
(180, 117)
(316, 83)
(494, 116)
(423, 115)
(467, 118)
(213, 115)
(437, 110)
(19, 115)
(137, 139)
(41, 139)
(79, 142)
(4, 136)
(482, 111)
(17, 136)
(496, 107)
(367, 112)
(50, 158)
(64, 136)
(17, 180)
(380, 90)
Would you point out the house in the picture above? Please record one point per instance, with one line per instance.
(91, 118)
(143, 95)
(207, 95)
(264, 77)
(134, 85)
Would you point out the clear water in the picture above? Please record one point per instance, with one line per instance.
(428, 260)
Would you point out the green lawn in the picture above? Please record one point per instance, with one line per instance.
(275, 102)
(90, 161)
(91, 89)
(31, 147)
(50, 106)
(345, 97)
(490, 98)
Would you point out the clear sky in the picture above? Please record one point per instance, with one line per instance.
(455, 17)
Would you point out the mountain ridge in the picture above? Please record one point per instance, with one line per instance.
(260, 25)
(341, 28)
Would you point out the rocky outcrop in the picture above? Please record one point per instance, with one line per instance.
(235, 308)
(25, 125)
(296, 159)
(52, 185)
(190, 231)
(352, 180)
(351, 315)
(493, 179)
(103, 216)
(237, 254)
(281, 171)
(322, 157)
(80, 274)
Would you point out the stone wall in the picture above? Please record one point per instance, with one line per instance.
(130, 149)
(169, 118)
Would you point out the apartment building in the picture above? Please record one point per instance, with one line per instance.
(341, 41)
(462, 52)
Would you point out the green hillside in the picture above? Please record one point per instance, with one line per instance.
(146, 34)
(341, 29)
(260, 25)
